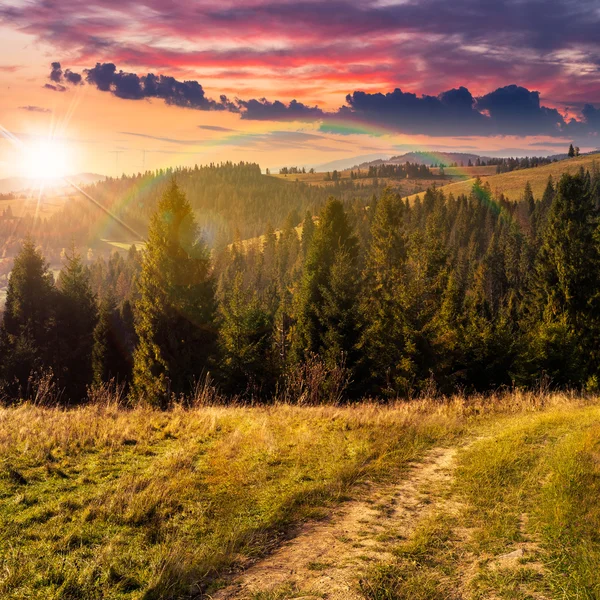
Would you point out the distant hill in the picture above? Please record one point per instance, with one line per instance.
(347, 163)
(24, 184)
(427, 158)
(512, 184)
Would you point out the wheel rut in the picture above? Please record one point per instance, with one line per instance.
(325, 558)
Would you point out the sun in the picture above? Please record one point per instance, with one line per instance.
(46, 159)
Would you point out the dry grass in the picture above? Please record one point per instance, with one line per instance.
(106, 502)
(512, 184)
(46, 207)
(519, 521)
(461, 173)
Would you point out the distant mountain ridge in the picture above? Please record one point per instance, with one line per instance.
(427, 158)
(24, 184)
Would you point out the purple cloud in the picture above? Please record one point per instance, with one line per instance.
(509, 110)
(493, 42)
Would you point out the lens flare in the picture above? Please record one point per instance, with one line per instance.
(45, 159)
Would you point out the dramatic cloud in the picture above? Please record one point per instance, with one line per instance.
(451, 112)
(263, 110)
(592, 116)
(37, 109)
(56, 72)
(130, 86)
(58, 76)
(72, 78)
(550, 45)
(516, 110)
(509, 110)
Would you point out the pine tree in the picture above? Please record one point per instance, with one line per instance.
(564, 306)
(308, 230)
(245, 341)
(76, 317)
(528, 198)
(339, 314)
(571, 153)
(111, 359)
(27, 328)
(176, 306)
(385, 341)
(333, 234)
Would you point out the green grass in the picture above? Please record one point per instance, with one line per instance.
(531, 482)
(546, 467)
(101, 502)
(512, 184)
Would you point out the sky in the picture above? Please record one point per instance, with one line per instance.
(113, 86)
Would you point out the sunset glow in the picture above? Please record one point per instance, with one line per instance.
(45, 160)
(362, 77)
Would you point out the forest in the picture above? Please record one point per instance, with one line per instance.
(228, 200)
(383, 299)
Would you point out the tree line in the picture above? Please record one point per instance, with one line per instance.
(394, 171)
(388, 299)
(228, 200)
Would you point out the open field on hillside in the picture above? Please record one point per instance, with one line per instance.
(512, 184)
(480, 498)
(45, 207)
(461, 173)
(404, 186)
(451, 174)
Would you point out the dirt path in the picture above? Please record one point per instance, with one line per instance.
(326, 557)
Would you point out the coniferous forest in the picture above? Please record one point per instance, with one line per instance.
(388, 299)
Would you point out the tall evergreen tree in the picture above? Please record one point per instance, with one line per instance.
(76, 316)
(308, 231)
(565, 304)
(176, 307)
(386, 341)
(28, 318)
(339, 312)
(334, 234)
(245, 340)
(111, 358)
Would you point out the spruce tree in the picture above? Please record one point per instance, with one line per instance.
(27, 330)
(332, 235)
(176, 305)
(308, 231)
(111, 359)
(339, 312)
(564, 317)
(385, 341)
(245, 340)
(76, 317)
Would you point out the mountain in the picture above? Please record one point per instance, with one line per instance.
(347, 163)
(24, 184)
(427, 158)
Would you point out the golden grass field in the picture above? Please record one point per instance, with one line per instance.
(450, 174)
(45, 207)
(102, 501)
(512, 184)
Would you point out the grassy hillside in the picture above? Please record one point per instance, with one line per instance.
(512, 184)
(104, 502)
(451, 174)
